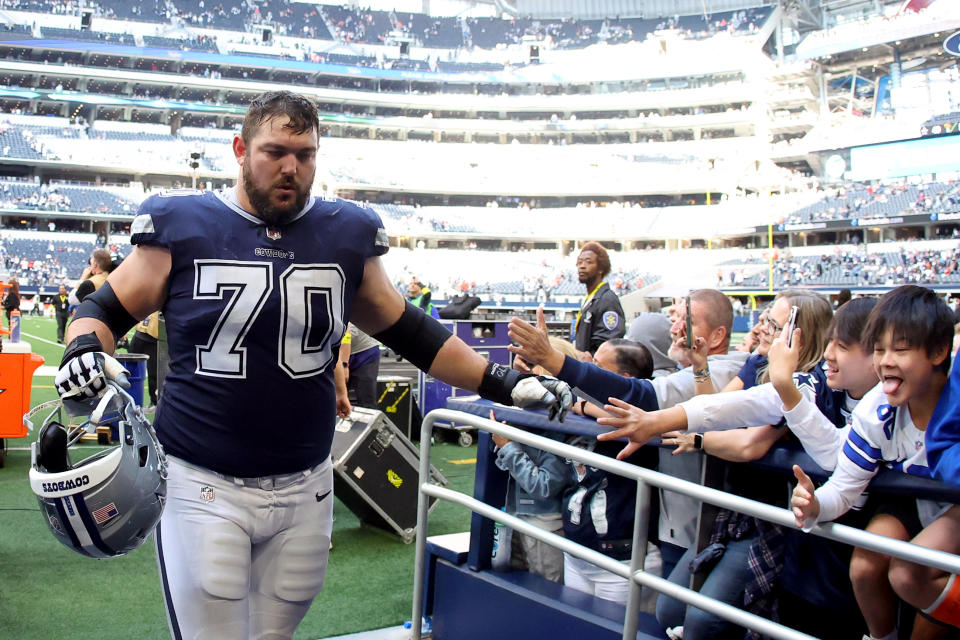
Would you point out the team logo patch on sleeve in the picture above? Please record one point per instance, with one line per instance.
(143, 223)
(611, 319)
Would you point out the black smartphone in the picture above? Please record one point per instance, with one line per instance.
(791, 325)
(689, 325)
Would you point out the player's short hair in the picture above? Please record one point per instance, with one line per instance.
(850, 319)
(603, 259)
(918, 318)
(632, 358)
(719, 308)
(102, 259)
(301, 111)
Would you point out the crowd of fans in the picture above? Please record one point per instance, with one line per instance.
(349, 24)
(853, 200)
(854, 268)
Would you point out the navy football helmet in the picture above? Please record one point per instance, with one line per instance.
(108, 503)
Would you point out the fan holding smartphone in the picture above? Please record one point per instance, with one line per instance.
(791, 325)
(697, 354)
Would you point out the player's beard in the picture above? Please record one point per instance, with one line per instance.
(264, 209)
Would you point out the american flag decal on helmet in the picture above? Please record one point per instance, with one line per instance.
(105, 513)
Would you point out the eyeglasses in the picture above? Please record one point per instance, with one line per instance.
(771, 325)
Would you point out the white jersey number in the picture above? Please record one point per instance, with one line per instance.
(311, 313)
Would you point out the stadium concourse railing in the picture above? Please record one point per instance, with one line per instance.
(645, 478)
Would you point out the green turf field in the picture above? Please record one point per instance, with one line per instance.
(48, 591)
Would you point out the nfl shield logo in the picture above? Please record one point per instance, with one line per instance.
(274, 234)
(206, 493)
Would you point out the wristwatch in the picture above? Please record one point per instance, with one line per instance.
(701, 375)
(698, 441)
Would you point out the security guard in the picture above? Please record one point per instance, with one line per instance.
(601, 316)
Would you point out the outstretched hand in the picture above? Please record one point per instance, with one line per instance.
(630, 422)
(533, 343)
(805, 505)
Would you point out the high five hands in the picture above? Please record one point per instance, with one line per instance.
(533, 345)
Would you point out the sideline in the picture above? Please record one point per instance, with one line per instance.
(47, 370)
(36, 337)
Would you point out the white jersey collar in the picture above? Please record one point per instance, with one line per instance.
(228, 196)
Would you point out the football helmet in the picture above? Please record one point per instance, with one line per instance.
(108, 503)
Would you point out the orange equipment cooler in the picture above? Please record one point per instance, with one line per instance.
(17, 365)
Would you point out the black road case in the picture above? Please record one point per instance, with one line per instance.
(395, 398)
(375, 472)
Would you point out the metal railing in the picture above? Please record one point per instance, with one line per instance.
(645, 478)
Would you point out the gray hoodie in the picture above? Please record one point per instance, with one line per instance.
(652, 330)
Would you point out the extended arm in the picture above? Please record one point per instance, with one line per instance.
(735, 445)
(378, 307)
(756, 406)
(857, 464)
(821, 439)
(380, 311)
(534, 347)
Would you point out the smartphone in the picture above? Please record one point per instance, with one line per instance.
(689, 325)
(791, 325)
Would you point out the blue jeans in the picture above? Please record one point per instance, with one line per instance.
(725, 583)
(670, 554)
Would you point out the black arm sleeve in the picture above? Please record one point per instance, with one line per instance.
(415, 336)
(104, 306)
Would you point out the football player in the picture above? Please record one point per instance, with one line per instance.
(257, 284)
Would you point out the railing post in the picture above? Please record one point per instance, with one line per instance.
(423, 512)
(641, 522)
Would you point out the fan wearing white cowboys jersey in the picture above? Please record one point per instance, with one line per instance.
(258, 283)
(910, 331)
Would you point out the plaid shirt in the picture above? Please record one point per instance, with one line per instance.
(765, 559)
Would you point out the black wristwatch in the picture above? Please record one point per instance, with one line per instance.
(698, 441)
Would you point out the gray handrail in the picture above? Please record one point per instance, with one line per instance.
(645, 478)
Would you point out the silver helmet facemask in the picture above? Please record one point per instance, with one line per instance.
(108, 503)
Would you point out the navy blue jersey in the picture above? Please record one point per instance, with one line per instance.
(748, 374)
(254, 318)
(831, 402)
(598, 506)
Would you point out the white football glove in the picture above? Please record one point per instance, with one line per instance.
(544, 392)
(85, 376)
(525, 390)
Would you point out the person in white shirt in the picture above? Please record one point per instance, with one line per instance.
(911, 330)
